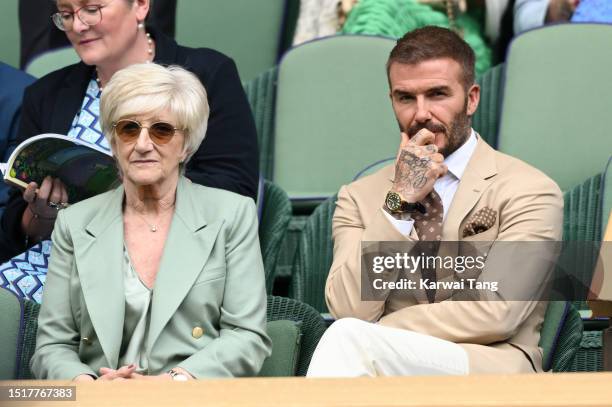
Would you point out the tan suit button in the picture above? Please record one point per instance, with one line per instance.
(86, 340)
(197, 332)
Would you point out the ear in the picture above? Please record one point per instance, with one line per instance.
(142, 9)
(473, 97)
(184, 153)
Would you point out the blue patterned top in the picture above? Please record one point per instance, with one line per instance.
(86, 123)
(26, 273)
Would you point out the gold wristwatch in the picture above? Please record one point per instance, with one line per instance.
(396, 204)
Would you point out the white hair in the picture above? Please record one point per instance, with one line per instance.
(149, 88)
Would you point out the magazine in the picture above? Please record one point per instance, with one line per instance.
(85, 169)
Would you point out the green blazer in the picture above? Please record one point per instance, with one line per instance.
(210, 281)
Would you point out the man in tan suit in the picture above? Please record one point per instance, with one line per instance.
(447, 184)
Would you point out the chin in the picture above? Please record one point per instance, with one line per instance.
(88, 58)
(144, 179)
(90, 55)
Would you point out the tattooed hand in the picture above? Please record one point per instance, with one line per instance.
(418, 166)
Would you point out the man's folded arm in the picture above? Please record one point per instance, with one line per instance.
(530, 227)
(343, 288)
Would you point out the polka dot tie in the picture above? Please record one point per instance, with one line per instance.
(429, 224)
(429, 228)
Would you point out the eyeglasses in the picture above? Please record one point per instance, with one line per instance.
(89, 15)
(129, 131)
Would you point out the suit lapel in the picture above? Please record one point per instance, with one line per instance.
(186, 251)
(478, 175)
(99, 258)
(70, 98)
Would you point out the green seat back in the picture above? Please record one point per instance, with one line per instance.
(261, 93)
(606, 202)
(9, 32)
(557, 99)
(333, 114)
(589, 357)
(285, 336)
(52, 61)
(582, 211)
(582, 223)
(248, 31)
(273, 225)
(568, 342)
(28, 341)
(312, 326)
(486, 119)
(560, 336)
(374, 167)
(314, 257)
(10, 334)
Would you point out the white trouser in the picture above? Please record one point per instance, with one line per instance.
(352, 347)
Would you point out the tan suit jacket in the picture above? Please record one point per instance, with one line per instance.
(499, 336)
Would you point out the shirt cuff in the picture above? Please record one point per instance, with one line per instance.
(402, 226)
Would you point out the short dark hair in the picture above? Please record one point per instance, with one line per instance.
(430, 42)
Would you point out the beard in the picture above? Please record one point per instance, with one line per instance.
(456, 134)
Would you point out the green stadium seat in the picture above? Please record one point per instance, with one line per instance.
(560, 336)
(333, 114)
(606, 201)
(582, 223)
(486, 119)
(372, 168)
(310, 323)
(52, 61)
(250, 32)
(314, 257)
(557, 99)
(286, 341)
(261, 93)
(589, 357)
(9, 32)
(273, 224)
(11, 334)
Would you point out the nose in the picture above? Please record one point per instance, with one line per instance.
(78, 26)
(423, 113)
(143, 142)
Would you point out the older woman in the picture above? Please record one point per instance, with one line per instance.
(160, 277)
(110, 35)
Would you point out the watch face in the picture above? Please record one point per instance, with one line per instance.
(393, 201)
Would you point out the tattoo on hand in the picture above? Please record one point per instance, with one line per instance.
(412, 169)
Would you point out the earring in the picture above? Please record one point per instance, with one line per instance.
(140, 26)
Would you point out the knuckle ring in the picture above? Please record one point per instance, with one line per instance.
(53, 205)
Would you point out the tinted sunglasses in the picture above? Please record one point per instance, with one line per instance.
(129, 130)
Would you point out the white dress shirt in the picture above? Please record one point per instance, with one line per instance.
(445, 186)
